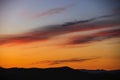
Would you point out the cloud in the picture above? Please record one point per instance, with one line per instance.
(77, 26)
(42, 34)
(72, 60)
(51, 31)
(99, 36)
(52, 11)
(114, 12)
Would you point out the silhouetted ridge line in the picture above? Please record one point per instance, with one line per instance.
(60, 73)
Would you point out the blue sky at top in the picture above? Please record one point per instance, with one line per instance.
(16, 14)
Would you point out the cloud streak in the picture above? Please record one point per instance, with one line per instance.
(115, 12)
(52, 11)
(72, 60)
(99, 36)
(51, 31)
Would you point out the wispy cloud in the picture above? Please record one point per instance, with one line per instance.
(99, 36)
(52, 11)
(114, 12)
(72, 60)
(46, 33)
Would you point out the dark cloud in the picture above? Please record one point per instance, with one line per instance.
(114, 13)
(99, 36)
(72, 60)
(78, 26)
(46, 33)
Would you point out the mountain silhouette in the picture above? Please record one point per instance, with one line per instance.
(60, 73)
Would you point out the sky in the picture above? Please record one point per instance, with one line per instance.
(82, 34)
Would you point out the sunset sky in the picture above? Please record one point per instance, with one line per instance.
(82, 34)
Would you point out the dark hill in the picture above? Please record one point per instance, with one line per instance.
(61, 73)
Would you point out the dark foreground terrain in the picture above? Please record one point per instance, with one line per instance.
(62, 73)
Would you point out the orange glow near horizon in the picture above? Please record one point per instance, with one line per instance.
(24, 56)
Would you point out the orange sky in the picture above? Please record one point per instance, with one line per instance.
(105, 54)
